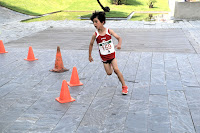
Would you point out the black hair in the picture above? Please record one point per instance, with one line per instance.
(100, 15)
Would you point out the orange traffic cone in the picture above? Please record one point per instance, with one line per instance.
(74, 81)
(59, 67)
(2, 49)
(30, 56)
(65, 96)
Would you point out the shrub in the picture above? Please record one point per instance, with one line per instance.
(151, 3)
(118, 2)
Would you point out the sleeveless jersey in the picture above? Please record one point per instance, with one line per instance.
(105, 45)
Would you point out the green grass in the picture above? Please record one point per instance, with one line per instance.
(74, 16)
(111, 14)
(39, 7)
(60, 16)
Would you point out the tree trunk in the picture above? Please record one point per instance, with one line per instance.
(106, 9)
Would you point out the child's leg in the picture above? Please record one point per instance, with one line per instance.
(108, 68)
(116, 70)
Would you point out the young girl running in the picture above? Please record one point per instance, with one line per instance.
(106, 47)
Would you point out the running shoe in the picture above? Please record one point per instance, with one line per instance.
(124, 90)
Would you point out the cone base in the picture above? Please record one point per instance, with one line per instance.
(30, 59)
(59, 70)
(65, 101)
(3, 52)
(78, 84)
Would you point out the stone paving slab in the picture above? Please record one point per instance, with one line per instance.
(163, 93)
(163, 78)
(141, 40)
(163, 83)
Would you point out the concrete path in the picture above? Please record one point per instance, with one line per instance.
(156, 40)
(163, 77)
(8, 16)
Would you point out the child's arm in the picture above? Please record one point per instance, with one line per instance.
(91, 46)
(118, 46)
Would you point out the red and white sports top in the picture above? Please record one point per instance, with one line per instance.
(105, 45)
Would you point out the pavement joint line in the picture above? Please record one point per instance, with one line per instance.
(130, 93)
(90, 102)
(115, 93)
(191, 31)
(189, 111)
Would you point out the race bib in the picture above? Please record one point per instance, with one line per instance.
(106, 47)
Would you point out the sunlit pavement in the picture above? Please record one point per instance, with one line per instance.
(160, 63)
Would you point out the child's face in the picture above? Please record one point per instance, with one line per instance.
(97, 23)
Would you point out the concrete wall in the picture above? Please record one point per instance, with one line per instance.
(187, 10)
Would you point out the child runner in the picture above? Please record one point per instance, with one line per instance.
(106, 47)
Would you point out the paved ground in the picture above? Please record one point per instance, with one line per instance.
(156, 40)
(8, 16)
(163, 76)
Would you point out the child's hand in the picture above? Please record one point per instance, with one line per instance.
(90, 59)
(118, 46)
